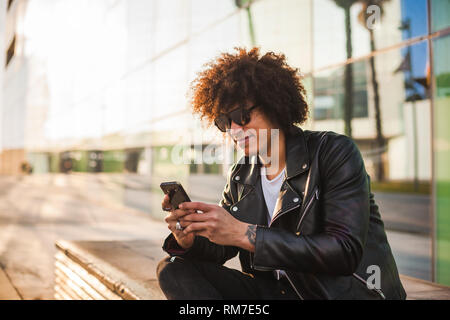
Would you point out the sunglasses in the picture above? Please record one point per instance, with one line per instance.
(240, 116)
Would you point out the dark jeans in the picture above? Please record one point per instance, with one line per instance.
(185, 279)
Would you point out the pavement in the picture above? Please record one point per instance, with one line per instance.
(37, 210)
(7, 291)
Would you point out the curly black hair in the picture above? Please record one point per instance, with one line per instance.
(267, 81)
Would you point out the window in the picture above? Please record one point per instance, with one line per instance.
(329, 93)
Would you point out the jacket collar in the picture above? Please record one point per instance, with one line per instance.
(247, 171)
(297, 156)
(297, 161)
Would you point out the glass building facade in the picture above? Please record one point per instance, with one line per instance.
(98, 88)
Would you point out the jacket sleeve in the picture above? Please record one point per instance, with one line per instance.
(203, 249)
(344, 218)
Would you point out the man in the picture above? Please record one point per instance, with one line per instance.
(301, 217)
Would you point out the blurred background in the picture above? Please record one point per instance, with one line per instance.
(93, 100)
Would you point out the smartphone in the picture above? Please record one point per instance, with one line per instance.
(176, 193)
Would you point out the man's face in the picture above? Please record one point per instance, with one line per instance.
(255, 136)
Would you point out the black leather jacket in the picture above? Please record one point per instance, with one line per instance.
(327, 230)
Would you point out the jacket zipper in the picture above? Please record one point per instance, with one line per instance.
(282, 214)
(380, 293)
(316, 195)
(287, 277)
(260, 268)
(271, 269)
(293, 286)
(271, 222)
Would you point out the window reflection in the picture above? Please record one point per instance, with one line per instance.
(329, 94)
(390, 102)
(342, 27)
(386, 109)
(442, 157)
(281, 26)
(440, 17)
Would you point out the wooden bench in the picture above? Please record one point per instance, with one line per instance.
(127, 270)
(105, 270)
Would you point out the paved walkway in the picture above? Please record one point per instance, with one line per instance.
(7, 291)
(40, 209)
(34, 213)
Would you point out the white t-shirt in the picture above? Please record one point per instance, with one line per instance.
(271, 189)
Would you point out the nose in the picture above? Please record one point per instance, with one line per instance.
(236, 129)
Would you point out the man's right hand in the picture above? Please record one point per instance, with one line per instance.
(184, 240)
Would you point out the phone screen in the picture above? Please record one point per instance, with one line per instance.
(176, 193)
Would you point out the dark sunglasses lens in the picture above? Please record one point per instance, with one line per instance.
(239, 116)
(222, 123)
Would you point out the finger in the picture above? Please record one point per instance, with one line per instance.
(178, 213)
(185, 224)
(171, 218)
(201, 233)
(173, 227)
(196, 206)
(195, 226)
(166, 199)
(166, 206)
(195, 217)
